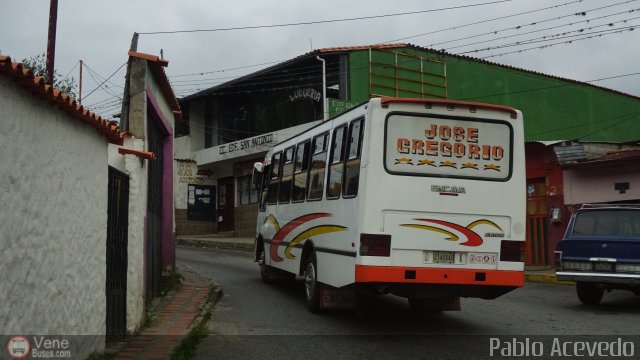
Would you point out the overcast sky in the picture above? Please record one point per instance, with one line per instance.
(100, 32)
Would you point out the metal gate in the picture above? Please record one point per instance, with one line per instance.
(117, 257)
(154, 211)
(537, 224)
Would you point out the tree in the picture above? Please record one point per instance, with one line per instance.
(38, 64)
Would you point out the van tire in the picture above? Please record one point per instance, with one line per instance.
(589, 294)
(312, 288)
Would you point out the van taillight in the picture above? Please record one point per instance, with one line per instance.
(511, 250)
(375, 245)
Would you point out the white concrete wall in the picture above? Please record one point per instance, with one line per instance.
(137, 172)
(596, 185)
(53, 219)
(134, 167)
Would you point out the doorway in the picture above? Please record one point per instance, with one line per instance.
(226, 204)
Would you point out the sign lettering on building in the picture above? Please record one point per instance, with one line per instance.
(185, 173)
(246, 144)
(306, 93)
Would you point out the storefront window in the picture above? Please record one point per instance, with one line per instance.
(246, 194)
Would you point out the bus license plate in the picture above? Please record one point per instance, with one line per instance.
(444, 257)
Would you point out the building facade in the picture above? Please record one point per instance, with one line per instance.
(225, 119)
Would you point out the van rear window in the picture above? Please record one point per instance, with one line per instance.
(607, 223)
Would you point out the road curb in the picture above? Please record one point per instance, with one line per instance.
(215, 244)
(546, 278)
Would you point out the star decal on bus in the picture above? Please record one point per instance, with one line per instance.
(427, 162)
(492, 167)
(470, 166)
(282, 232)
(404, 161)
(447, 228)
(448, 164)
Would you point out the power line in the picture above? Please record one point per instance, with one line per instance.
(91, 73)
(482, 21)
(110, 76)
(518, 27)
(598, 34)
(550, 87)
(437, 31)
(326, 21)
(553, 37)
(553, 27)
(584, 124)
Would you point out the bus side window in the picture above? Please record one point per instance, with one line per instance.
(334, 185)
(284, 195)
(318, 162)
(272, 193)
(354, 151)
(301, 171)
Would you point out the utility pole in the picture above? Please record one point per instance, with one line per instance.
(80, 85)
(51, 42)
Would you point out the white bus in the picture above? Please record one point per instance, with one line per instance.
(420, 198)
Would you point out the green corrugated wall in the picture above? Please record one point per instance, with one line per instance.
(553, 109)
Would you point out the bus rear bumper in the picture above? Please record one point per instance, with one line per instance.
(412, 275)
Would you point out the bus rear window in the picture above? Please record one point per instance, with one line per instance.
(448, 147)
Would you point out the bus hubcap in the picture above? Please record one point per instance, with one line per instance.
(310, 281)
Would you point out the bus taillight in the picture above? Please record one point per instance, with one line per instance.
(512, 250)
(375, 245)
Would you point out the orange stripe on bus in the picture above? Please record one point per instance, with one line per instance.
(395, 274)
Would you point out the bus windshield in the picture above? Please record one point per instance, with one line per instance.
(428, 145)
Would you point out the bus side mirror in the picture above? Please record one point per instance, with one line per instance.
(256, 176)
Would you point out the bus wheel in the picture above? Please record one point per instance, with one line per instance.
(312, 288)
(589, 294)
(266, 272)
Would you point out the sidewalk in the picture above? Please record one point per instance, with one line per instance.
(177, 312)
(215, 241)
(532, 274)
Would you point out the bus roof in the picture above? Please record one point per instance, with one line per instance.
(388, 100)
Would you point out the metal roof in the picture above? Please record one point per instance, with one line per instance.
(347, 49)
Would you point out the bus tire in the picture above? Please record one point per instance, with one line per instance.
(312, 288)
(267, 273)
(589, 294)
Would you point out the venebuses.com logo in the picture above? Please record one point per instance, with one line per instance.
(18, 347)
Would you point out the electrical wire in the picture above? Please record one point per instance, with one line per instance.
(482, 22)
(555, 27)
(518, 27)
(325, 21)
(492, 32)
(105, 89)
(598, 34)
(110, 76)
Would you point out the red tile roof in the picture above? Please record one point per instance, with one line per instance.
(25, 78)
(157, 68)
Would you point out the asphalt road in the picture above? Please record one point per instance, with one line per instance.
(255, 320)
